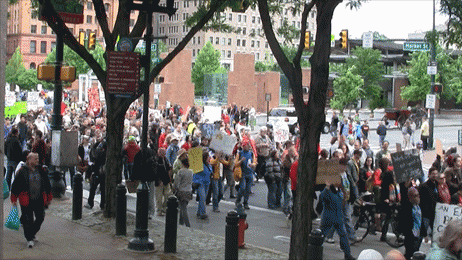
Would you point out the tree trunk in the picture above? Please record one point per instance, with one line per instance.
(114, 140)
(311, 125)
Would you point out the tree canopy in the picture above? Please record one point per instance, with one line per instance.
(348, 89)
(207, 62)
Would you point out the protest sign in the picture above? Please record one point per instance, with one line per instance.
(207, 130)
(222, 142)
(10, 98)
(195, 159)
(33, 100)
(443, 214)
(406, 165)
(212, 114)
(281, 132)
(329, 170)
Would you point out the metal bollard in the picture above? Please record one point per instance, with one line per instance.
(231, 236)
(58, 188)
(121, 207)
(315, 249)
(419, 255)
(77, 197)
(171, 225)
(141, 241)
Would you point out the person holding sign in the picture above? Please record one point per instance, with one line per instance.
(450, 243)
(248, 166)
(202, 182)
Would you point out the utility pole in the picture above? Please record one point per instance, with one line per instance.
(433, 63)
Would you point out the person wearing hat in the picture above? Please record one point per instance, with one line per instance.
(172, 150)
(177, 165)
(129, 152)
(247, 163)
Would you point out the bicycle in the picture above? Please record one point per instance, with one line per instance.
(394, 236)
(363, 215)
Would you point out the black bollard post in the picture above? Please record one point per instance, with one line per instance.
(141, 241)
(231, 236)
(419, 255)
(315, 250)
(58, 188)
(77, 197)
(121, 213)
(171, 225)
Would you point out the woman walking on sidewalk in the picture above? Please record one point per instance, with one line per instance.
(31, 187)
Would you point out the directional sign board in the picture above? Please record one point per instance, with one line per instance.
(416, 46)
(71, 11)
(123, 72)
(368, 40)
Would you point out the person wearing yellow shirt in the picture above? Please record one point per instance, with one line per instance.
(217, 183)
(424, 132)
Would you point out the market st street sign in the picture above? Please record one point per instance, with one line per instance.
(416, 46)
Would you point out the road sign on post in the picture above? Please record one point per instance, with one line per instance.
(368, 40)
(123, 72)
(430, 101)
(416, 46)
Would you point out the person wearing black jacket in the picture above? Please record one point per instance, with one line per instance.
(22, 128)
(429, 194)
(98, 157)
(162, 182)
(13, 152)
(411, 223)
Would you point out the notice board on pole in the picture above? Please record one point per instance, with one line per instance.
(123, 72)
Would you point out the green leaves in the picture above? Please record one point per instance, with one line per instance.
(207, 62)
(347, 89)
(14, 68)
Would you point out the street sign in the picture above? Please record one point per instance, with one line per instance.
(71, 11)
(123, 72)
(416, 46)
(125, 44)
(368, 40)
(268, 97)
(432, 70)
(157, 88)
(430, 101)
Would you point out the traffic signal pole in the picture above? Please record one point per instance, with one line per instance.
(57, 118)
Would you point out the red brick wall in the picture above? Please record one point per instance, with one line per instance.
(177, 87)
(242, 88)
(267, 82)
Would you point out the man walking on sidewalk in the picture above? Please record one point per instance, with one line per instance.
(33, 190)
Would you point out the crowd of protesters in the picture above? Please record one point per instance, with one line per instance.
(175, 130)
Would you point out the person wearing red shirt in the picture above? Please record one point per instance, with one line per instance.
(129, 152)
(187, 144)
(293, 178)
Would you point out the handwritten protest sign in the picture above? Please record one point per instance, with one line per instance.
(406, 165)
(329, 170)
(443, 214)
(223, 142)
(195, 159)
(281, 132)
(212, 114)
(33, 100)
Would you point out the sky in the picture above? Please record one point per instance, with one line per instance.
(392, 18)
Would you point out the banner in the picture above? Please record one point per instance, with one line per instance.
(222, 142)
(195, 159)
(212, 114)
(443, 214)
(281, 131)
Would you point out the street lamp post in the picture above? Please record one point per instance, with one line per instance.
(432, 77)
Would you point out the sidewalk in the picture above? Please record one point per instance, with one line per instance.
(93, 237)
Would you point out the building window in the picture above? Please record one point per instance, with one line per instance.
(229, 54)
(44, 29)
(217, 40)
(223, 41)
(43, 47)
(243, 43)
(194, 53)
(132, 22)
(53, 45)
(106, 7)
(245, 18)
(89, 5)
(244, 30)
(89, 19)
(230, 41)
(252, 43)
(33, 29)
(194, 40)
(223, 53)
(230, 17)
(254, 19)
(211, 40)
(239, 18)
(33, 47)
(238, 42)
(266, 45)
(199, 40)
(257, 56)
(258, 44)
(32, 66)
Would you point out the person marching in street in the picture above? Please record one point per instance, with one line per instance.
(381, 132)
(172, 150)
(182, 187)
(162, 182)
(429, 194)
(263, 145)
(128, 153)
(177, 165)
(424, 132)
(13, 152)
(32, 188)
(217, 182)
(247, 166)
(407, 133)
(273, 179)
(201, 184)
(334, 124)
(228, 164)
(98, 176)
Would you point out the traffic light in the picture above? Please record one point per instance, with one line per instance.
(344, 39)
(82, 38)
(437, 88)
(307, 40)
(92, 41)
